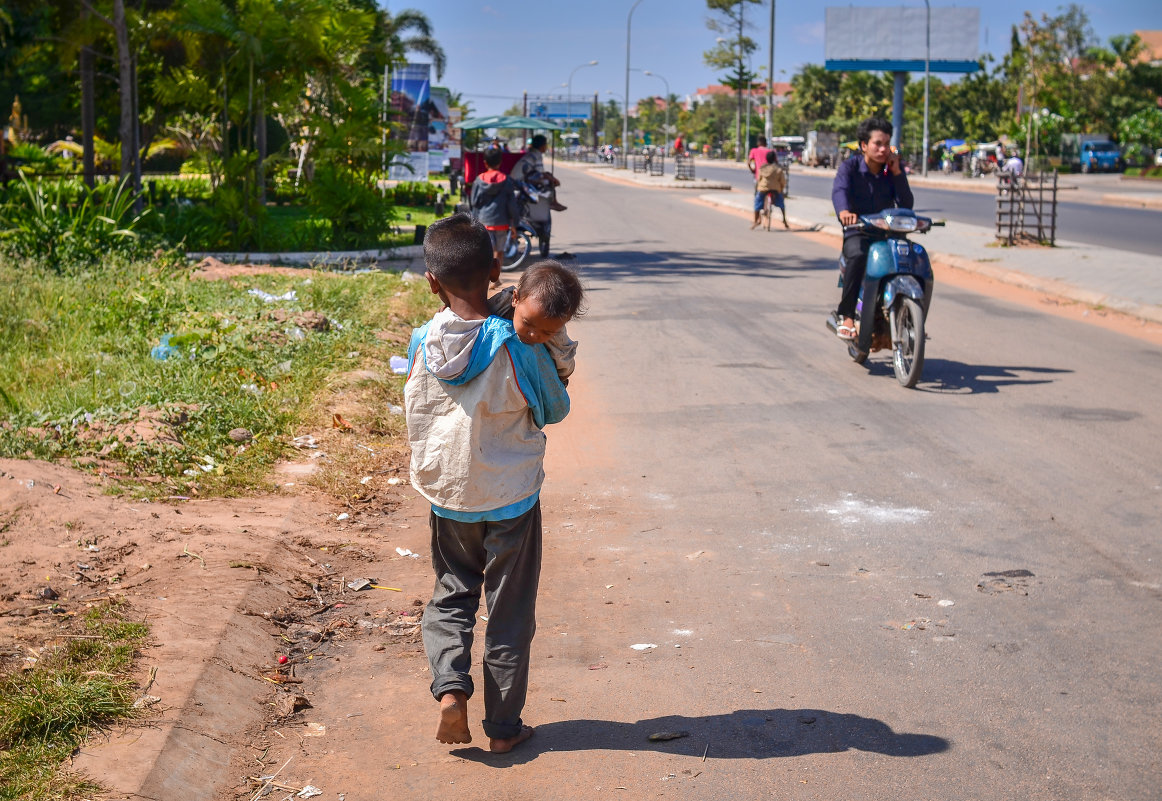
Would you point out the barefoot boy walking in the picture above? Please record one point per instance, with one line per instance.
(477, 398)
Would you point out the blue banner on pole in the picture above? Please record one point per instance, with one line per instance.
(411, 97)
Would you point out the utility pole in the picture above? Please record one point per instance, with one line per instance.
(625, 117)
(739, 77)
(770, 78)
(927, 77)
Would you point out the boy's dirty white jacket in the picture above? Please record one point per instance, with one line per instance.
(476, 399)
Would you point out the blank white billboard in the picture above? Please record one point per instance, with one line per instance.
(897, 34)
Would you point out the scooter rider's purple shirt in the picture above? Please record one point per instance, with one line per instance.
(858, 190)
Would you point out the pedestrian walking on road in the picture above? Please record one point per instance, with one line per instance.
(477, 397)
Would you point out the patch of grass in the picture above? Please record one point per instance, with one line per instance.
(79, 684)
(79, 382)
(1144, 172)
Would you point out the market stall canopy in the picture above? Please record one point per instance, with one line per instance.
(501, 121)
(956, 146)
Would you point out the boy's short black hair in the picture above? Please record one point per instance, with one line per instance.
(493, 156)
(762, 141)
(539, 141)
(771, 156)
(864, 131)
(557, 288)
(458, 252)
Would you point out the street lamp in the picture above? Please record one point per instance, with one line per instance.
(625, 118)
(667, 83)
(927, 67)
(569, 96)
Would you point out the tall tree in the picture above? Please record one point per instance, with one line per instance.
(732, 52)
(410, 31)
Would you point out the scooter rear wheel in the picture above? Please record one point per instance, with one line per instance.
(518, 250)
(908, 350)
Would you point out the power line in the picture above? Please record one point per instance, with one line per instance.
(491, 97)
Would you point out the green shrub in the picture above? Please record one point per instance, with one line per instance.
(416, 193)
(64, 224)
(358, 214)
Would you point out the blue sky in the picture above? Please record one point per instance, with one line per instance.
(499, 48)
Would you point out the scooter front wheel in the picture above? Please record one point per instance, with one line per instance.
(908, 347)
(858, 356)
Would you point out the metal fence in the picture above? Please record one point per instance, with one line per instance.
(650, 162)
(1027, 208)
(684, 167)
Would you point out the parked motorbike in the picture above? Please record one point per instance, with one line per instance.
(896, 291)
(536, 220)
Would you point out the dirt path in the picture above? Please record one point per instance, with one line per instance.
(227, 586)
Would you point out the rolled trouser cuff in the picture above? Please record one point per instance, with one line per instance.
(502, 731)
(453, 685)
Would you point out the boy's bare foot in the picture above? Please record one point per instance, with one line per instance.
(503, 746)
(453, 726)
(754, 225)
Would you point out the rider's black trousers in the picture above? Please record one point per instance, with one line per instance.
(855, 264)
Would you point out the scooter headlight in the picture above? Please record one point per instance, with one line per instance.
(901, 224)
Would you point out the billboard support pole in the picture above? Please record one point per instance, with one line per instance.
(901, 78)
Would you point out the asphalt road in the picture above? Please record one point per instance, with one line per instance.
(946, 593)
(826, 586)
(1137, 230)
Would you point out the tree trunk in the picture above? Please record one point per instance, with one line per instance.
(125, 79)
(225, 116)
(88, 116)
(260, 142)
(136, 128)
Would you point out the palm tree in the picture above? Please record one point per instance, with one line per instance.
(410, 31)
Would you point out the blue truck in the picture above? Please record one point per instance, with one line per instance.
(1090, 153)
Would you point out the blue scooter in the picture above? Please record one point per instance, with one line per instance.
(898, 282)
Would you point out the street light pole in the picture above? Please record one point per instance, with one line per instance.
(667, 83)
(625, 117)
(569, 96)
(927, 67)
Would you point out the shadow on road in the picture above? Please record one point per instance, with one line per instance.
(946, 376)
(743, 734)
(623, 264)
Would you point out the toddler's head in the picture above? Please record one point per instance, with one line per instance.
(547, 296)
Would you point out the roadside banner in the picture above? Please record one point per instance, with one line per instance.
(411, 99)
(417, 161)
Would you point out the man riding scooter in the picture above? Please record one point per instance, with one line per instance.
(868, 183)
(531, 168)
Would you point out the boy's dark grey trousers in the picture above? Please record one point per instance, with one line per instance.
(504, 557)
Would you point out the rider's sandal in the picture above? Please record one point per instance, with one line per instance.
(845, 332)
